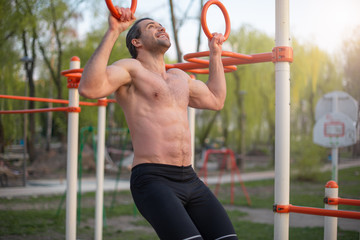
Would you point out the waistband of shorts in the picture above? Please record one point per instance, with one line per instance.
(162, 167)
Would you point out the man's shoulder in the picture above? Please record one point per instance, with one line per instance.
(127, 62)
(178, 72)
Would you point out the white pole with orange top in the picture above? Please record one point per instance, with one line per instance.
(330, 223)
(282, 119)
(72, 152)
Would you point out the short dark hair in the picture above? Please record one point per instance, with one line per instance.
(134, 32)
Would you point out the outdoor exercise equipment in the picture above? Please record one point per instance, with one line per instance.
(82, 140)
(74, 170)
(281, 56)
(330, 212)
(316, 211)
(50, 100)
(73, 79)
(199, 66)
(113, 10)
(226, 16)
(233, 167)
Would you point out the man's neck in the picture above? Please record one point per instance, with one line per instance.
(153, 62)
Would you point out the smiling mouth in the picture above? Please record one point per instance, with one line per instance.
(164, 36)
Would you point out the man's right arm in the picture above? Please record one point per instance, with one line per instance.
(98, 80)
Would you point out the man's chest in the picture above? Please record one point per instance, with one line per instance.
(170, 89)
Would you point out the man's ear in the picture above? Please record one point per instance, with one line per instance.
(136, 42)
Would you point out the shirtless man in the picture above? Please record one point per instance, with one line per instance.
(164, 186)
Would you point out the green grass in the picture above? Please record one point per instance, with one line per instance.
(28, 222)
(256, 231)
(41, 222)
(308, 193)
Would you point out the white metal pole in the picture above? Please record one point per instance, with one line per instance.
(330, 223)
(72, 154)
(335, 150)
(335, 160)
(282, 125)
(100, 171)
(191, 117)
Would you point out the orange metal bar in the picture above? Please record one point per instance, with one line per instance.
(35, 99)
(342, 201)
(50, 100)
(254, 58)
(74, 109)
(194, 57)
(316, 211)
(59, 109)
(94, 104)
(70, 71)
(185, 66)
(200, 66)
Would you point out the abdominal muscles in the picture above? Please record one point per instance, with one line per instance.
(161, 137)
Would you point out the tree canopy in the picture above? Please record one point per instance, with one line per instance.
(47, 32)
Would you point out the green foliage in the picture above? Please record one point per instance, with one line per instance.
(11, 83)
(256, 82)
(351, 64)
(307, 157)
(251, 94)
(53, 23)
(252, 87)
(248, 117)
(313, 74)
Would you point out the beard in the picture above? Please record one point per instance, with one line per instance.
(159, 45)
(164, 43)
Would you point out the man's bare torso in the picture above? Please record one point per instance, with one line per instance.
(154, 101)
(155, 108)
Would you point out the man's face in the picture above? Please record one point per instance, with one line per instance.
(153, 34)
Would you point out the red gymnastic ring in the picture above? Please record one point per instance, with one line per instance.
(225, 13)
(113, 10)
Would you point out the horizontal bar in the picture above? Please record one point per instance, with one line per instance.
(35, 99)
(316, 211)
(342, 201)
(39, 110)
(227, 61)
(50, 100)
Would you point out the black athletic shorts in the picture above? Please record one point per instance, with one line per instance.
(178, 204)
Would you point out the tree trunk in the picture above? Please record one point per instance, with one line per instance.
(199, 31)
(175, 30)
(241, 148)
(29, 69)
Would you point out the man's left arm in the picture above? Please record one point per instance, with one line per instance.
(212, 94)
